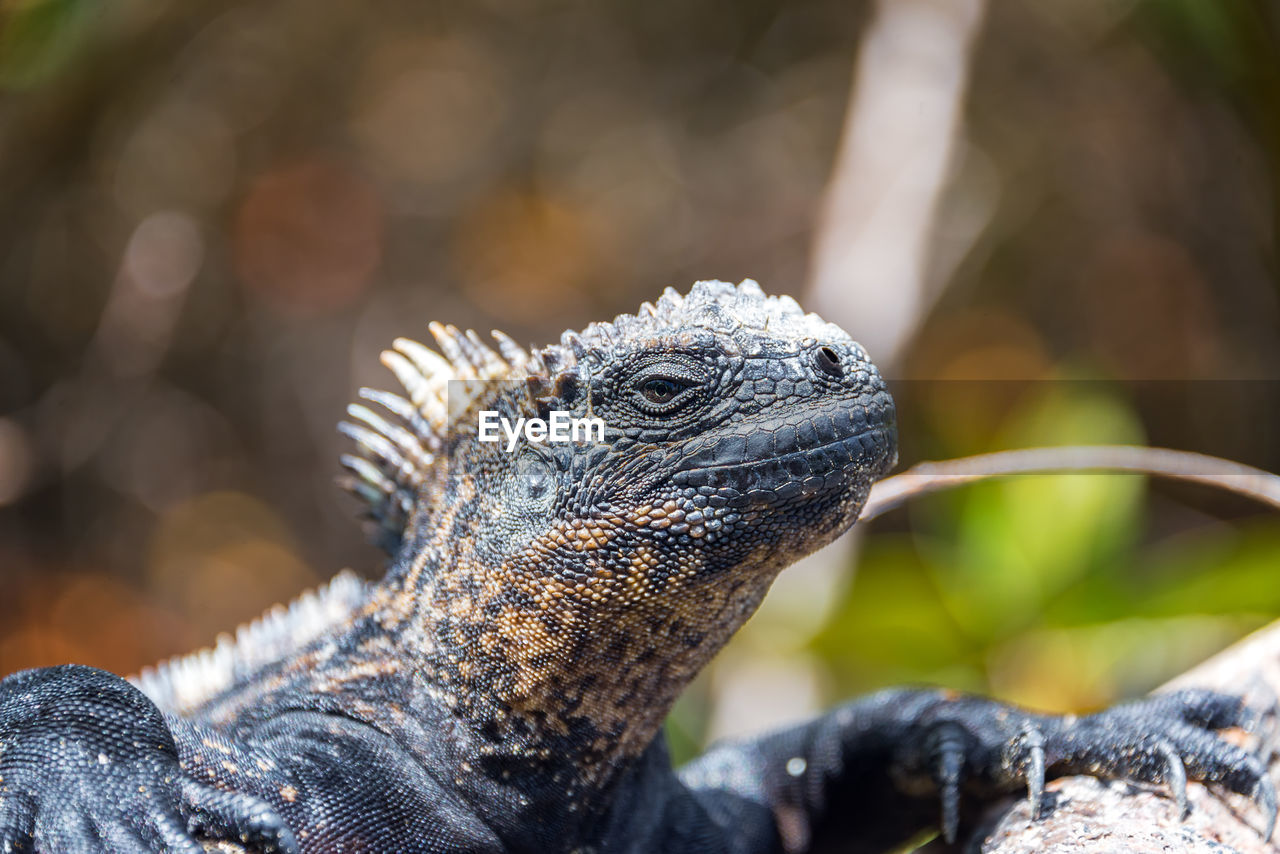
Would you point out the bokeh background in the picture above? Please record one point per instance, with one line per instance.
(1052, 222)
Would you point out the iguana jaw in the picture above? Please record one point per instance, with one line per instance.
(806, 452)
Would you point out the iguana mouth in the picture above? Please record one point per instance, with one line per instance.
(810, 450)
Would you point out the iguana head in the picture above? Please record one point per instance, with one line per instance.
(587, 581)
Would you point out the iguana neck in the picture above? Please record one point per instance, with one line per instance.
(559, 675)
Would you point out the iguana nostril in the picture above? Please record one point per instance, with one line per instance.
(828, 362)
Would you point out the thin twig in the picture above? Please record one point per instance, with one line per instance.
(930, 477)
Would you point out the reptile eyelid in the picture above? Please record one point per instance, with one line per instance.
(679, 386)
(663, 387)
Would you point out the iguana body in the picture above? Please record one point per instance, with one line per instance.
(502, 689)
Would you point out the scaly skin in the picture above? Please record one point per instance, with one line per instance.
(502, 689)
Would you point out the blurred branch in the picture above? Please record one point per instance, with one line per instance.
(873, 248)
(926, 478)
(871, 253)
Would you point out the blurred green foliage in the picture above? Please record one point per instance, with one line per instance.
(1049, 590)
(38, 38)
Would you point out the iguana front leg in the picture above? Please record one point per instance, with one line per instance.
(88, 763)
(824, 779)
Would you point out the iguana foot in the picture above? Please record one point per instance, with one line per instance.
(1167, 739)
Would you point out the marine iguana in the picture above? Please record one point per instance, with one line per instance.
(503, 688)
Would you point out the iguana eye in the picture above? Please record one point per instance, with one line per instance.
(661, 390)
(662, 383)
(662, 393)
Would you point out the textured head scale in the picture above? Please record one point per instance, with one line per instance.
(441, 389)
